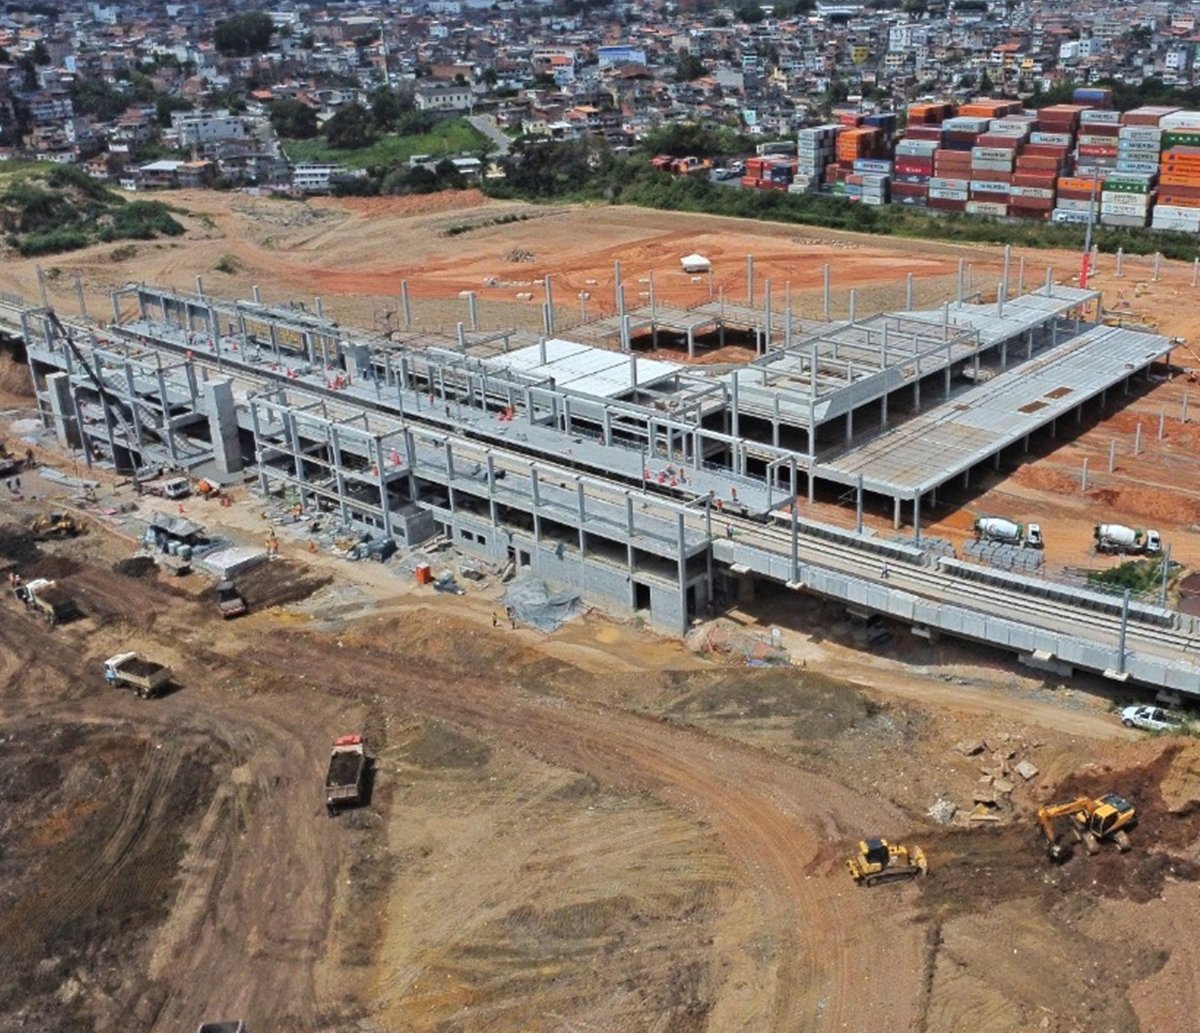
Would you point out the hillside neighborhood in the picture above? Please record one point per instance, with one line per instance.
(145, 97)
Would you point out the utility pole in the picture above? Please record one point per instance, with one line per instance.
(1086, 261)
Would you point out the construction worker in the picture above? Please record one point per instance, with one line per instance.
(272, 544)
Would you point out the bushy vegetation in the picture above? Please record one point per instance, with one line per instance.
(589, 171)
(1139, 576)
(46, 210)
(243, 34)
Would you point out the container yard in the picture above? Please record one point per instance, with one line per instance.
(989, 157)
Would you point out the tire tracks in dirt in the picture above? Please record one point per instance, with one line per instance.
(772, 818)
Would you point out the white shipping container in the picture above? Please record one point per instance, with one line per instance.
(1067, 215)
(1044, 193)
(1180, 120)
(941, 183)
(984, 187)
(992, 154)
(1121, 208)
(1056, 139)
(1140, 133)
(916, 148)
(875, 200)
(1104, 117)
(986, 208)
(1131, 165)
(1175, 211)
(942, 194)
(1111, 219)
(1088, 140)
(1071, 204)
(979, 165)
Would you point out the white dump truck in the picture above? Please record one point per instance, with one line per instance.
(47, 598)
(997, 529)
(1119, 538)
(129, 670)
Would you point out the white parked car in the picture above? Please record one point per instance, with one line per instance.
(1153, 719)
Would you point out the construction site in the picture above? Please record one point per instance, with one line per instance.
(688, 592)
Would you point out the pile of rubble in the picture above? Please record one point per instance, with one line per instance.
(1002, 772)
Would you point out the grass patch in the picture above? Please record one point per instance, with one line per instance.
(450, 137)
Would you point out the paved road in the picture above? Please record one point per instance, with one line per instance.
(486, 124)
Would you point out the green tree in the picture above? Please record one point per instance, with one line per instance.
(349, 129)
(243, 34)
(98, 98)
(41, 56)
(750, 14)
(388, 107)
(165, 105)
(985, 83)
(293, 120)
(689, 68)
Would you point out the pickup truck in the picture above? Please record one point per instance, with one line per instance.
(48, 599)
(229, 600)
(347, 765)
(145, 677)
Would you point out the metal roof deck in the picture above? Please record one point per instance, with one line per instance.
(585, 370)
(996, 323)
(933, 447)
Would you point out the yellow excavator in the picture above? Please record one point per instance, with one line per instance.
(878, 861)
(1092, 821)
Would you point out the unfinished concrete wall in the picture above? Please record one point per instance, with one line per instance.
(223, 425)
(62, 409)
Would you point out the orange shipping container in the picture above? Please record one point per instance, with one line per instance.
(1071, 183)
(1179, 200)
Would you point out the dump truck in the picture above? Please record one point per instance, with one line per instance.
(48, 599)
(347, 766)
(1119, 538)
(878, 861)
(997, 529)
(227, 1026)
(128, 670)
(229, 600)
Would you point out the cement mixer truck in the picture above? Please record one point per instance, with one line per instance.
(997, 529)
(1119, 538)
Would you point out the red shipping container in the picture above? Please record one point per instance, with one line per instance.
(945, 205)
(986, 176)
(1012, 143)
(1037, 204)
(910, 189)
(1044, 180)
(914, 167)
(1092, 151)
(1039, 162)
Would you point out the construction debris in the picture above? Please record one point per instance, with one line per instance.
(970, 747)
(1026, 770)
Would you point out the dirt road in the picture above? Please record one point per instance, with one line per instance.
(548, 844)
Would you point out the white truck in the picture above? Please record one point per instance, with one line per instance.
(997, 529)
(1119, 538)
(145, 677)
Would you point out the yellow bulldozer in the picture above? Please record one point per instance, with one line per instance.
(57, 525)
(878, 861)
(1092, 821)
